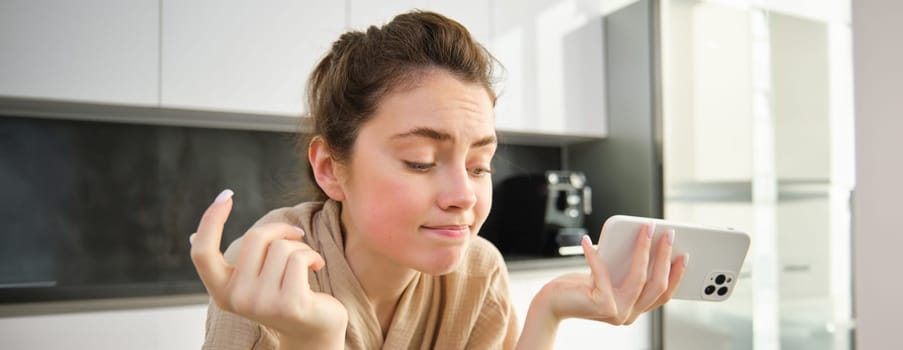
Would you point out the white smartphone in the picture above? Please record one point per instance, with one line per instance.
(716, 254)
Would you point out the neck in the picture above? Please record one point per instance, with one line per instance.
(383, 280)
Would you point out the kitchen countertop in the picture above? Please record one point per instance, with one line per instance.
(515, 264)
(533, 263)
(92, 305)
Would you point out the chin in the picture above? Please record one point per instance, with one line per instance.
(442, 263)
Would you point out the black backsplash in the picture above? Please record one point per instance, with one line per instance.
(96, 210)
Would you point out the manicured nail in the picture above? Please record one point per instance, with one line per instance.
(223, 196)
(650, 229)
(301, 230)
(671, 236)
(191, 238)
(686, 259)
(586, 239)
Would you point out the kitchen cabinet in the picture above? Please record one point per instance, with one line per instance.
(553, 59)
(552, 81)
(254, 59)
(245, 57)
(473, 14)
(87, 51)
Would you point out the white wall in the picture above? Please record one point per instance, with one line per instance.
(877, 236)
(155, 328)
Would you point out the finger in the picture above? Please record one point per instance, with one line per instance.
(658, 281)
(205, 244)
(633, 284)
(601, 277)
(678, 269)
(276, 260)
(255, 244)
(297, 269)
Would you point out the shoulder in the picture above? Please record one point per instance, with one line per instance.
(482, 259)
(288, 215)
(481, 279)
(291, 215)
(484, 291)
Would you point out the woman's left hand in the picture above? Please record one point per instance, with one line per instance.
(593, 296)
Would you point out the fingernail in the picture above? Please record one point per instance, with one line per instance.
(586, 239)
(671, 236)
(650, 230)
(223, 196)
(191, 238)
(301, 230)
(686, 259)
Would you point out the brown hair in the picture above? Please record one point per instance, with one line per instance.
(362, 67)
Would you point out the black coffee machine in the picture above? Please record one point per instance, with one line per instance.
(540, 214)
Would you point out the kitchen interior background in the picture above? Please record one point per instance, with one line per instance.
(769, 78)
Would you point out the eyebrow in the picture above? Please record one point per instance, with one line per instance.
(443, 136)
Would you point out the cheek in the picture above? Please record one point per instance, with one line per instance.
(390, 211)
(390, 203)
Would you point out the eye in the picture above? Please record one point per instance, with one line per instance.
(421, 167)
(481, 171)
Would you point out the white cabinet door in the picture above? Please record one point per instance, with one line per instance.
(363, 13)
(552, 54)
(473, 14)
(244, 56)
(88, 51)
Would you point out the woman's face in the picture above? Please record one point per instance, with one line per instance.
(419, 188)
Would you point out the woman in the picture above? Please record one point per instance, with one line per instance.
(401, 149)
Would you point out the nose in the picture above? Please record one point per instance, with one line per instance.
(456, 190)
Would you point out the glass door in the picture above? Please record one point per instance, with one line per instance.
(757, 135)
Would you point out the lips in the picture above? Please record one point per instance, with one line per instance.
(449, 231)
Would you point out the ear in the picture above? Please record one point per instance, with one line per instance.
(327, 171)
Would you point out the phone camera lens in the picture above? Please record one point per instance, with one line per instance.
(709, 290)
(722, 291)
(720, 279)
(729, 280)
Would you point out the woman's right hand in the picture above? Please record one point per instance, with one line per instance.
(269, 283)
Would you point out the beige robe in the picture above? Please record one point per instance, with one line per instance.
(468, 308)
